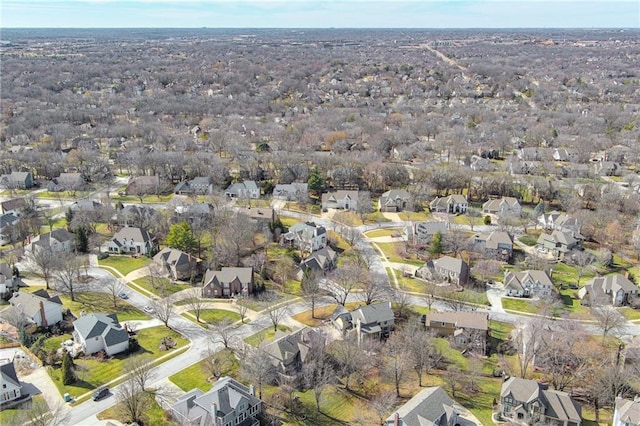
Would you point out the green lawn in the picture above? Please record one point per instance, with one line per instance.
(213, 316)
(145, 199)
(375, 217)
(529, 240)
(630, 313)
(196, 376)
(93, 301)
(160, 286)
(92, 373)
(392, 252)
(153, 415)
(265, 335)
(519, 305)
(124, 264)
(407, 283)
(415, 216)
(387, 232)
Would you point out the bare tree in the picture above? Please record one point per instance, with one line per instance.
(67, 272)
(421, 348)
(215, 363)
(133, 401)
(528, 343)
(562, 356)
(195, 302)
(38, 413)
(455, 379)
(456, 240)
(609, 320)
(223, 333)
(382, 403)
(349, 357)
(373, 290)
(318, 374)
(114, 287)
(346, 279)
(241, 307)
(164, 310)
(44, 261)
(139, 370)
(257, 367)
(396, 360)
(311, 288)
(582, 260)
(277, 312)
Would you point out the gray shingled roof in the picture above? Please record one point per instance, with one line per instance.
(30, 303)
(228, 274)
(426, 407)
(93, 325)
(8, 374)
(374, 313)
(516, 279)
(132, 233)
(628, 411)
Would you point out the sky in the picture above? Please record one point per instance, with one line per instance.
(320, 13)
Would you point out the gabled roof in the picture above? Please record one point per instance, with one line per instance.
(93, 325)
(390, 197)
(14, 204)
(319, 259)
(427, 408)
(172, 257)
(306, 230)
(374, 313)
(57, 235)
(559, 405)
(612, 283)
(493, 239)
(286, 347)
(30, 302)
(8, 375)
(495, 204)
(228, 274)
(7, 219)
(135, 234)
(628, 411)
(461, 319)
(564, 238)
(449, 263)
(516, 280)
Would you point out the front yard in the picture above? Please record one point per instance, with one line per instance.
(97, 302)
(197, 376)
(161, 287)
(124, 264)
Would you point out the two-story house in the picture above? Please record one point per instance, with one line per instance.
(37, 308)
(456, 203)
(506, 206)
(627, 412)
(288, 352)
(295, 191)
(373, 321)
(7, 225)
(143, 185)
(100, 332)
(7, 281)
(227, 282)
(433, 407)
(559, 222)
(526, 402)
(243, 190)
(467, 330)
(67, 182)
(132, 240)
(17, 180)
(445, 269)
(306, 236)
(320, 261)
(420, 234)
(10, 386)
(530, 283)
(227, 403)
(497, 243)
(178, 264)
(58, 241)
(395, 200)
(15, 206)
(558, 243)
(201, 185)
(608, 290)
(342, 199)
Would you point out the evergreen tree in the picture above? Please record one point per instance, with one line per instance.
(436, 244)
(68, 377)
(82, 240)
(316, 181)
(180, 237)
(68, 216)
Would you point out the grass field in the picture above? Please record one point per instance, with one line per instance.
(124, 264)
(265, 335)
(153, 414)
(93, 301)
(214, 316)
(630, 313)
(197, 375)
(393, 253)
(415, 216)
(520, 305)
(387, 232)
(160, 286)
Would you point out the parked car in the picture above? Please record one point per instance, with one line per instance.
(123, 295)
(148, 309)
(100, 393)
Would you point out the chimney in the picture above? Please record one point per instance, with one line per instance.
(43, 315)
(396, 419)
(252, 390)
(214, 412)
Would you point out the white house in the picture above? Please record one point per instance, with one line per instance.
(131, 240)
(456, 203)
(627, 412)
(306, 236)
(38, 307)
(506, 206)
(7, 281)
(97, 332)
(10, 386)
(347, 200)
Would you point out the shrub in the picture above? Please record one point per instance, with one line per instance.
(102, 256)
(487, 220)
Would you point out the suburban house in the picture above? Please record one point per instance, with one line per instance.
(566, 154)
(433, 407)
(526, 402)
(195, 213)
(294, 191)
(446, 268)
(7, 280)
(227, 282)
(246, 189)
(10, 386)
(7, 223)
(608, 290)
(100, 332)
(289, 351)
(66, 182)
(227, 403)
(420, 234)
(178, 264)
(201, 185)
(607, 168)
(58, 241)
(86, 206)
(134, 215)
(627, 413)
(456, 203)
(17, 180)
(519, 167)
(322, 261)
(395, 200)
(479, 164)
(342, 199)
(465, 329)
(131, 240)
(498, 243)
(530, 283)
(306, 236)
(142, 185)
(558, 243)
(506, 206)
(15, 206)
(559, 222)
(38, 307)
(341, 319)
(373, 321)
